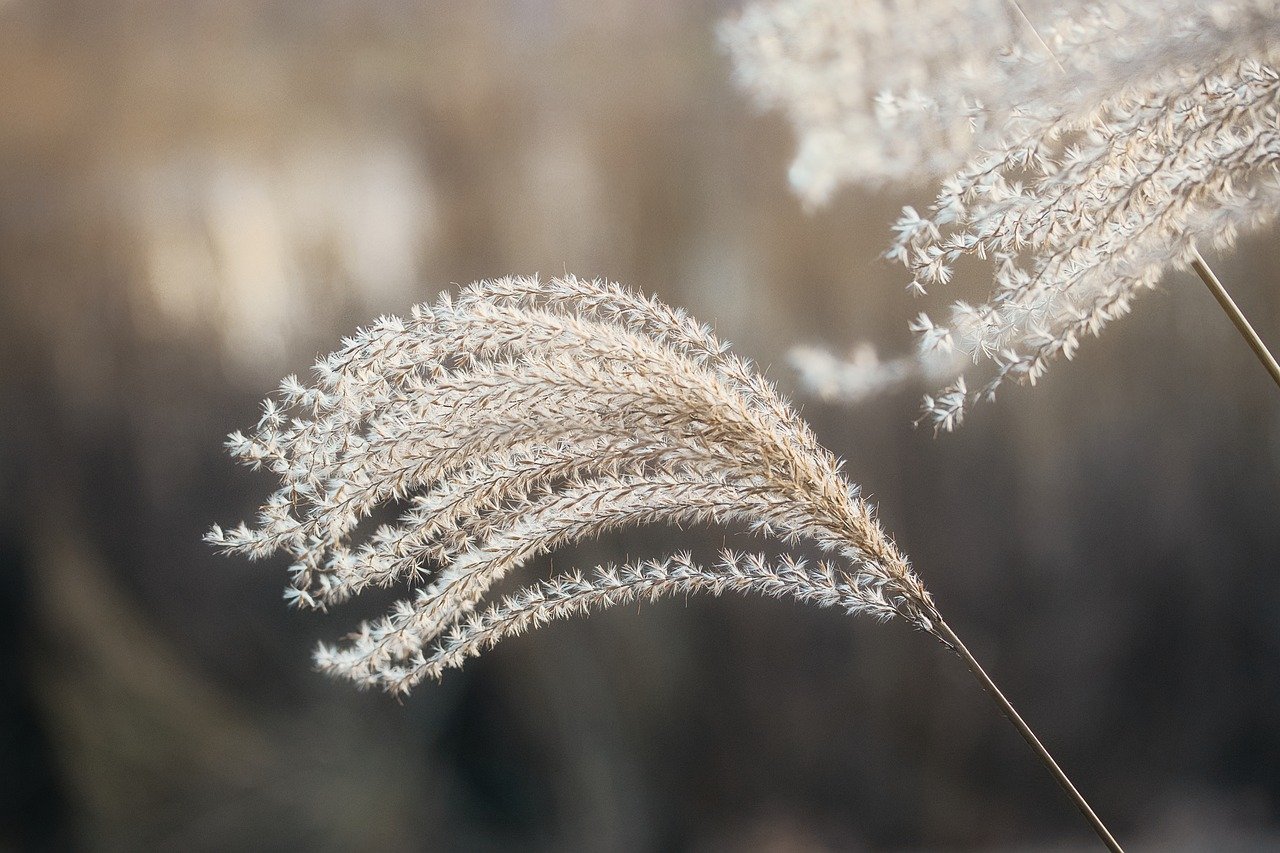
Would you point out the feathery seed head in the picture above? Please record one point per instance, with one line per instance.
(525, 415)
(1105, 142)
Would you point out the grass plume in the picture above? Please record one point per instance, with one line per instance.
(523, 416)
(1083, 150)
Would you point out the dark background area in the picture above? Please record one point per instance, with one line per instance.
(196, 199)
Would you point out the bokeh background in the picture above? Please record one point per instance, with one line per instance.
(198, 198)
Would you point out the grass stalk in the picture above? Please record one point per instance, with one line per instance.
(1030, 737)
(1233, 311)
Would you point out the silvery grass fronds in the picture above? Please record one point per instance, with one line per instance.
(1083, 205)
(1105, 142)
(522, 416)
(885, 91)
(880, 90)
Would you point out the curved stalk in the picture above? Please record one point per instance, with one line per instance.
(1030, 737)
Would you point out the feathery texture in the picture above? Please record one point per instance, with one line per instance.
(1104, 143)
(523, 416)
(879, 90)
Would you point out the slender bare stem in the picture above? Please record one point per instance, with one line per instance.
(1233, 311)
(1030, 737)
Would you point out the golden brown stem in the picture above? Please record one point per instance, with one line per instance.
(1029, 736)
(1237, 316)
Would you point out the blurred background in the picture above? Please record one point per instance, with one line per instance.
(196, 199)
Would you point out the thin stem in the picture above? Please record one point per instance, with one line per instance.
(1030, 737)
(1233, 311)
(1021, 13)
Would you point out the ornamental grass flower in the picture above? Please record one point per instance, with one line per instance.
(523, 416)
(1102, 145)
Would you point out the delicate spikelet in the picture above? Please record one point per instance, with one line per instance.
(649, 580)
(522, 416)
(1084, 148)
